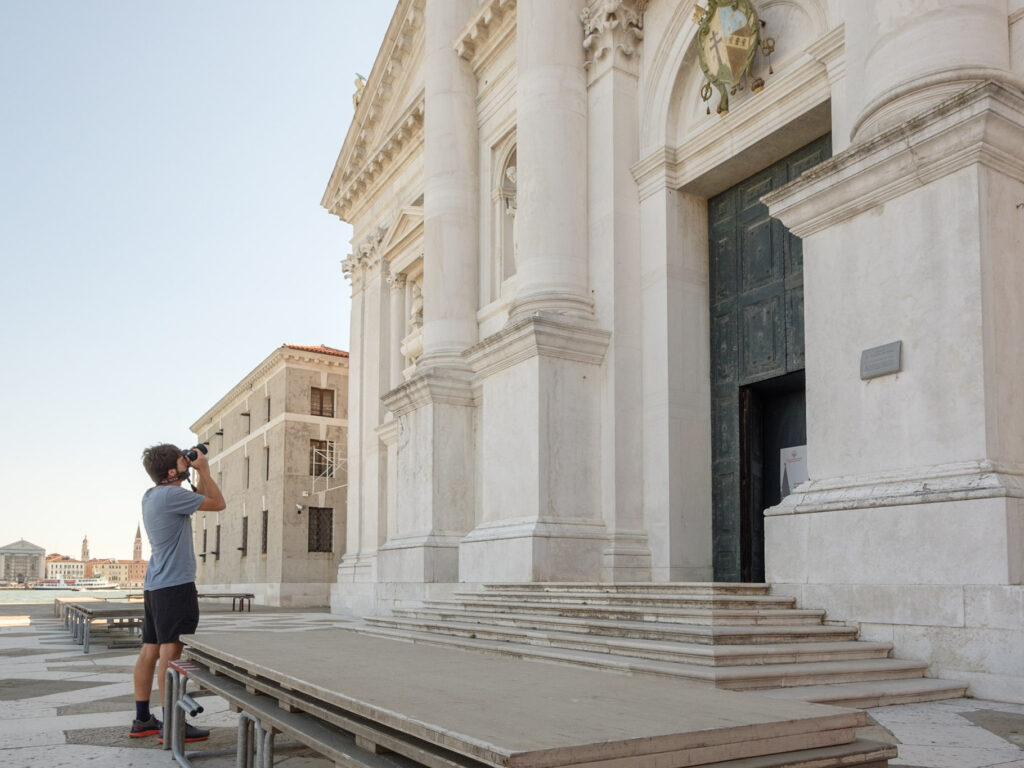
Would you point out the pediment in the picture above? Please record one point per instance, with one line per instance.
(409, 221)
(388, 110)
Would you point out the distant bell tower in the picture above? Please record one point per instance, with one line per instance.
(85, 549)
(137, 551)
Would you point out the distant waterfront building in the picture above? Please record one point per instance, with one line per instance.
(22, 561)
(277, 451)
(128, 574)
(63, 567)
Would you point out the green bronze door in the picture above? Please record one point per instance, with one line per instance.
(757, 359)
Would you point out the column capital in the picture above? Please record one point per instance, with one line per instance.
(613, 27)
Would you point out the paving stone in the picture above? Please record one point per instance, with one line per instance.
(13, 689)
(1006, 725)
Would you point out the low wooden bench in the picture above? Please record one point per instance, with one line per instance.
(239, 600)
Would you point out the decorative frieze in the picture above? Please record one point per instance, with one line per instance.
(612, 26)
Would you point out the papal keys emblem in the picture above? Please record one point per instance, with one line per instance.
(728, 37)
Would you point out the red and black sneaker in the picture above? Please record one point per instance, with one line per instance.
(142, 728)
(192, 734)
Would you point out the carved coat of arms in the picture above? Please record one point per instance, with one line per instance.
(728, 36)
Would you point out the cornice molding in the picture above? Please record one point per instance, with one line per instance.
(538, 335)
(366, 172)
(434, 385)
(982, 125)
(484, 32)
(280, 357)
(357, 155)
(960, 481)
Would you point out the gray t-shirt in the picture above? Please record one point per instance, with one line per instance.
(167, 514)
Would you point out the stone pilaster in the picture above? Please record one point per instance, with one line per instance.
(611, 36)
(914, 237)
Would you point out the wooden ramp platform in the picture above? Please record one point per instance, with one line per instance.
(434, 706)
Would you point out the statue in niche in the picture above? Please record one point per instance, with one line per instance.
(416, 307)
(511, 205)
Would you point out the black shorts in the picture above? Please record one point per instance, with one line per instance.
(170, 612)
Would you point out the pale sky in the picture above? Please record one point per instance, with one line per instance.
(161, 169)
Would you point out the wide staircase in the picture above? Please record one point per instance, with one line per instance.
(733, 636)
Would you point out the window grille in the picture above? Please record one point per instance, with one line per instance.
(263, 536)
(321, 529)
(245, 536)
(216, 542)
(266, 463)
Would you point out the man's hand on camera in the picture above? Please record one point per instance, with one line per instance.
(200, 463)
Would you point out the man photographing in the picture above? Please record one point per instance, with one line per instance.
(171, 604)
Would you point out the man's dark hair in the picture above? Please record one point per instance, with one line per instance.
(159, 460)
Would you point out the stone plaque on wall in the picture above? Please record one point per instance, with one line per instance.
(881, 361)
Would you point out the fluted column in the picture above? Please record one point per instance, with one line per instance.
(551, 135)
(449, 189)
(905, 57)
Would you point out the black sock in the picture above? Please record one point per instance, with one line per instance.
(142, 711)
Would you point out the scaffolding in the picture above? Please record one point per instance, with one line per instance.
(330, 469)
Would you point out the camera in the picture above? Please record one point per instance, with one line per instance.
(193, 453)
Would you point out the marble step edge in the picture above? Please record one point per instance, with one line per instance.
(690, 587)
(880, 693)
(666, 650)
(630, 598)
(860, 753)
(732, 678)
(682, 615)
(752, 634)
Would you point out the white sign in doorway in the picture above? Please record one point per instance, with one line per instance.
(792, 468)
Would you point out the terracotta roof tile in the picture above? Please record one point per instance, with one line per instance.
(321, 348)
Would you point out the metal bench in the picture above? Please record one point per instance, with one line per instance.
(79, 617)
(239, 600)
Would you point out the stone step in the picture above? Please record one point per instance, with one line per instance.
(649, 630)
(862, 753)
(666, 650)
(673, 587)
(706, 616)
(636, 599)
(876, 693)
(744, 677)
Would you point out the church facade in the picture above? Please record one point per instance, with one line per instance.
(671, 292)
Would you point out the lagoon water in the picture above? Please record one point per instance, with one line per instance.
(27, 596)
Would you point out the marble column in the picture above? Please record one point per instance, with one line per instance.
(432, 439)
(904, 57)
(551, 136)
(450, 205)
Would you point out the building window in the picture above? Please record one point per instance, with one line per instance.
(204, 545)
(216, 542)
(245, 536)
(321, 458)
(267, 401)
(321, 402)
(245, 474)
(266, 462)
(263, 535)
(321, 529)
